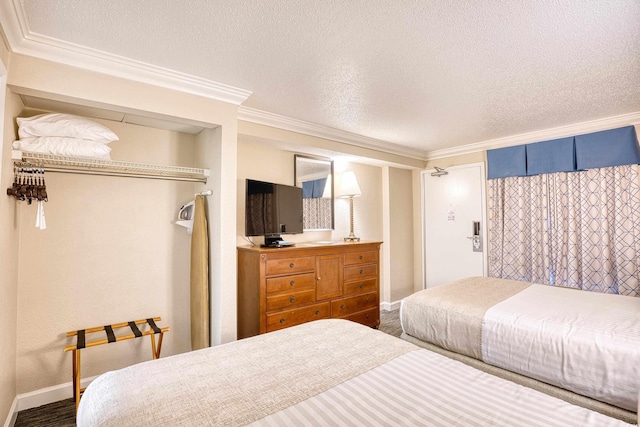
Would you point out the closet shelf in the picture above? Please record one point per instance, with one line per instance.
(88, 166)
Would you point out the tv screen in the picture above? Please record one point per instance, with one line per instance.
(272, 209)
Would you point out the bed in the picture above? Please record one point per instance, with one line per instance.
(563, 339)
(327, 372)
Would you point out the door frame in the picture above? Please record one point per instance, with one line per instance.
(423, 205)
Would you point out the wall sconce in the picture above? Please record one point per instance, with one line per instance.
(349, 188)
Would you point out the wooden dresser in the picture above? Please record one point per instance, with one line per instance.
(282, 287)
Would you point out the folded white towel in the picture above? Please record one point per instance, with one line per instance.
(41, 223)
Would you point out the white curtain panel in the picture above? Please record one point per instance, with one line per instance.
(316, 213)
(578, 229)
(519, 229)
(597, 229)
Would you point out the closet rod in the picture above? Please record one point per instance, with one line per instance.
(124, 175)
(66, 164)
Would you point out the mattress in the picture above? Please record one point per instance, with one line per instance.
(585, 342)
(327, 372)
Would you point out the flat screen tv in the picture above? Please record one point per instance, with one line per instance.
(273, 210)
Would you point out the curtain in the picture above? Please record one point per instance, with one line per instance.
(579, 229)
(316, 213)
(596, 232)
(313, 189)
(199, 278)
(519, 229)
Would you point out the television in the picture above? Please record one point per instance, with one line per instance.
(273, 210)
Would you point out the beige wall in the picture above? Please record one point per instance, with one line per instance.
(9, 266)
(401, 233)
(110, 253)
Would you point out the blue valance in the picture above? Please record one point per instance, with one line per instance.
(313, 189)
(505, 162)
(607, 148)
(551, 156)
(613, 147)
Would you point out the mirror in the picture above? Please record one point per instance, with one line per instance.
(314, 175)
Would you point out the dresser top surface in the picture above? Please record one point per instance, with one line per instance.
(323, 245)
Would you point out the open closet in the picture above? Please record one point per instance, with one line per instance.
(111, 249)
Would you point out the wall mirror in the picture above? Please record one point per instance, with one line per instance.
(314, 175)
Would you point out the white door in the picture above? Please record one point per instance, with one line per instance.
(453, 205)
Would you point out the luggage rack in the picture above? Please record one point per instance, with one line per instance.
(81, 343)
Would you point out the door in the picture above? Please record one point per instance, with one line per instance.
(329, 276)
(454, 224)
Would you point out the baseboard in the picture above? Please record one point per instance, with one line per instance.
(390, 306)
(47, 395)
(13, 414)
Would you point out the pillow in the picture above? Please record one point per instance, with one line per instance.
(65, 125)
(61, 146)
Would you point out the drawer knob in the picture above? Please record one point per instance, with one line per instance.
(317, 312)
(368, 315)
(341, 305)
(282, 320)
(361, 271)
(360, 256)
(292, 282)
(361, 285)
(368, 299)
(291, 265)
(292, 299)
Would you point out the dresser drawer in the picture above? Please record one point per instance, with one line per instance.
(359, 272)
(287, 318)
(291, 283)
(360, 286)
(360, 257)
(346, 306)
(290, 265)
(370, 317)
(290, 299)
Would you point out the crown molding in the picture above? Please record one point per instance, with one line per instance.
(287, 123)
(21, 40)
(537, 136)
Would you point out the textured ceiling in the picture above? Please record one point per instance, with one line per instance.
(427, 75)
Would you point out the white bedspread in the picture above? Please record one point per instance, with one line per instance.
(238, 382)
(330, 373)
(422, 388)
(585, 342)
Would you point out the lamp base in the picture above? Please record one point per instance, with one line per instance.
(351, 237)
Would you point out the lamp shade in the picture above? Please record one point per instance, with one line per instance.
(349, 185)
